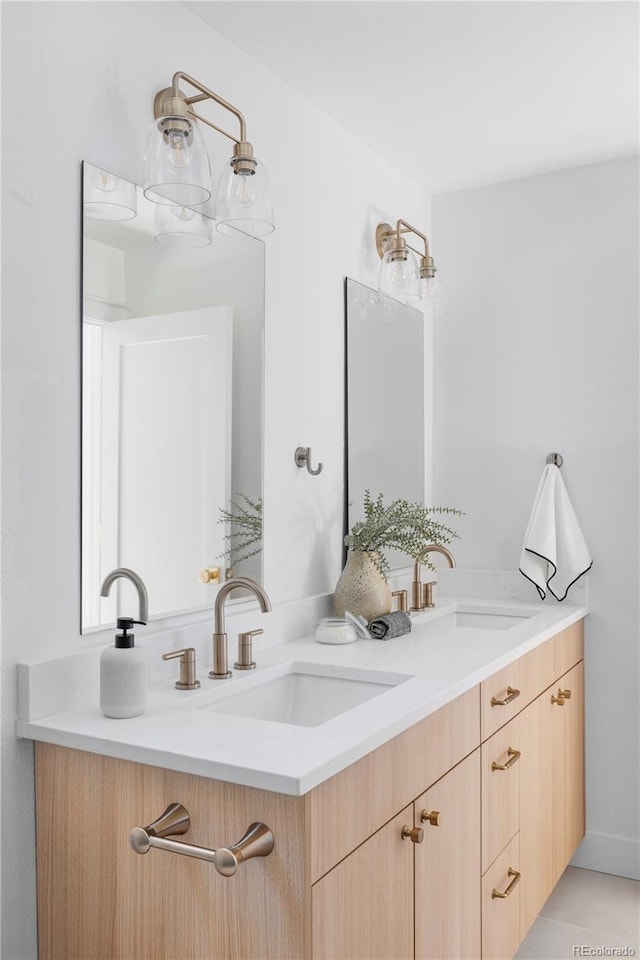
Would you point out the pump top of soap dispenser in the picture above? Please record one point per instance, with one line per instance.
(126, 639)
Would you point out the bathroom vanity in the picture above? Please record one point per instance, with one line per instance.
(430, 821)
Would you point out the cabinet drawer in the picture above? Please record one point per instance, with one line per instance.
(500, 760)
(509, 690)
(501, 905)
(345, 810)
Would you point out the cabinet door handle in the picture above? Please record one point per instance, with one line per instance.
(507, 893)
(256, 842)
(560, 698)
(415, 834)
(566, 694)
(512, 693)
(514, 756)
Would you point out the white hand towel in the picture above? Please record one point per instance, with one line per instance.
(554, 552)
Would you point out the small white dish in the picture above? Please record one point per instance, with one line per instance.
(335, 630)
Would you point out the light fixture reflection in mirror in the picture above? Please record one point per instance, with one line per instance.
(107, 197)
(172, 399)
(386, 395)
(181, 227)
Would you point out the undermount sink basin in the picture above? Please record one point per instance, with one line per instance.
(479, 618)
(306, 694)
(487, 621)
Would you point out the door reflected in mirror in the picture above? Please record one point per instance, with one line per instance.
(385, 429)
(172, 399)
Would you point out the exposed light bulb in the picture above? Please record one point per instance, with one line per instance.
(179, 156)
(184, 214)
(103, 181)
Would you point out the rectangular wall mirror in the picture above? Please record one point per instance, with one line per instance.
(172, 401)
(385, 429)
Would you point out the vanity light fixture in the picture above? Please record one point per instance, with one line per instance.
(107, 197)
(402, 276)
(177, 169)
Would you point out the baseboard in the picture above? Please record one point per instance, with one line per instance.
(619, 856)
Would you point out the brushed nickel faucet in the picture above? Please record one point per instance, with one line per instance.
(220, 669)
(422, 593)
(126, 574)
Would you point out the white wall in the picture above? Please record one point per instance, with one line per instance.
(78, 83)
(538, 352)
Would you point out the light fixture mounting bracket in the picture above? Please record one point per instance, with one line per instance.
(383, 232)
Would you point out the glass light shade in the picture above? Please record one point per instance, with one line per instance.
(400, 278)
(181, 227)
(243, 202)
(107, 197)
(176, 164)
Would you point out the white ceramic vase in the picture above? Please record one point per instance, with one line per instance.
(362, 588)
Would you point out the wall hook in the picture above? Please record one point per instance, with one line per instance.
(302, 457)
(555, 458)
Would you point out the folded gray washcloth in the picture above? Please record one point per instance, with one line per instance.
(390, 625)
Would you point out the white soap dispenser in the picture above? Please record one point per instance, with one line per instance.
(123, 674)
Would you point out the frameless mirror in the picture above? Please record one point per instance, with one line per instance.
(172, 399)
(385, 428)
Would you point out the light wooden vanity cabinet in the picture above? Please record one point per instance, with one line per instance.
(346, 878)
(532, 785)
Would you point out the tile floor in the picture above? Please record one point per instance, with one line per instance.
(595, 911)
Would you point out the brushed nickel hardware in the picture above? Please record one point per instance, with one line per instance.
(427, 594)
(514, 883)
(415, 834)
(220, 669)
(390, 240)
(417, 593)
(512, 694)
(210, 575)
(416, 590)
(431, 818)
(560, 699)
(514, 756)
(257, 841)
(302, 458)
(402, 599)
(126, 573)
(187, 658)
(555, 459)
(245, 650)
(175, 141)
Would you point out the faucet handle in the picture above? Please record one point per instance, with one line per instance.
(187, 659)
(245, 650)
(402, 599)
(427, 594)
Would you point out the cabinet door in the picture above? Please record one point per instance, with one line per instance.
(501, 905)
(363, 908)
(552, 789)
(447, 884)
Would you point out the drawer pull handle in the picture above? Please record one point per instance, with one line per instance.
(431, 818)
(256, 842)
(512, 693)
(514, 756)
(507, 893)
(415, 834)
(560, 699)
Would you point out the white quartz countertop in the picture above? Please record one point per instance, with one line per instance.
(438, 660)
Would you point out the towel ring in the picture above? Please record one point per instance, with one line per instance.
(556, 459)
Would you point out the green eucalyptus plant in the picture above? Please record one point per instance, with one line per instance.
(402, 525)
(245, 534)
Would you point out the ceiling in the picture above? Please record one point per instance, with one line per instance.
(456, 93)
